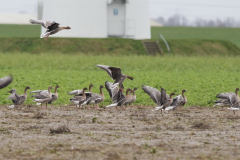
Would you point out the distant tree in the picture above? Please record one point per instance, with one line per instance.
(179, 20)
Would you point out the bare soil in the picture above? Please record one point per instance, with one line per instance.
(64, 132)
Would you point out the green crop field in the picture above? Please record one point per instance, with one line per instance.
(226, 34)
(202, 77)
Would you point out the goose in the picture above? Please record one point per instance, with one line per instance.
(121, 99)
(51, 26)
(133, 97)
(96, 98)
(54, 95)
(5, 81)
(79, 100)
(18, 99)
(13, 94)
(112, 91)
(80, 91)
(42, 97)
(178, 101)
(224, 102)
(46, 93)
(162, 99)
(115, 74)
(233, 100)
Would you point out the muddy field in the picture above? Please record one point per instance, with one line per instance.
(134, 133)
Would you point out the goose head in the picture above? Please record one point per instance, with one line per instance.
(85, 88)
(57, 86)
(102, 87)
(135, 88)
(27, 87)
(184, 91)
(12, 91)
(172, 94)
(50, 87)
(67, 27)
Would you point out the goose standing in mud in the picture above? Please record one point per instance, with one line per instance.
(79, 100)
(51, 26)
(46, 93)
(116, 74)
(162, 99)
(43, 96)
(222, 102)
(18, 99)
(233, 100)
(121, 99)
(54, 95)
(178, 101)
(133, 97)
(5, 81)
(96, 98)
(79, 92)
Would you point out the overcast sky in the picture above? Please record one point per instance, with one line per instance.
(191, 9)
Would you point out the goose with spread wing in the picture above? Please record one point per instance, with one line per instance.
(116, 74)
(112, 91)
(178, 101)
(162, 99)
(80, 91)
(222, 102)
(79, 99)
(233, 100)
(43, 96)
(18, 99)
(5, 81)
(96, 98)
(121, 99)
(51, 26)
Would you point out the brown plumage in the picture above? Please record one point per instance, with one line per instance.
(96, 98)
(43, 97)
(18, 99)
(5, 81)
(51, 26)
(116, 74)
(79, 100)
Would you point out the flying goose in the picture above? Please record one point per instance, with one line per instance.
(232, 99)
(51, 26)
(115, 74)
(178, 101)
(112, 91)
(5, 81)
(43, 97)
(79, 100)
(96, 98)
(121, 99)
(224, 102)
(18, 99)
(162, 99)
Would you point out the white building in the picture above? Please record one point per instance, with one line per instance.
(99, 18)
